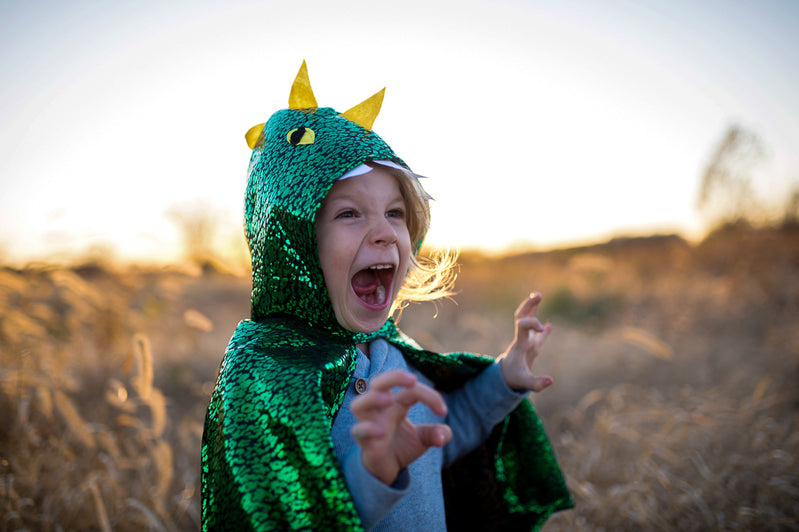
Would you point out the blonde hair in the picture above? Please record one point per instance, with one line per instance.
(429, 277)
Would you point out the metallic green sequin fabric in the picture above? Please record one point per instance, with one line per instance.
(286, 187)
(268, 461)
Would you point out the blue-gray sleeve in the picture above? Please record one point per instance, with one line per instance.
(372, 498)
(476, 408)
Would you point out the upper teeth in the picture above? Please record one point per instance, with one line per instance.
(380, 267)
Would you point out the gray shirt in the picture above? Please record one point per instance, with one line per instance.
(415, 501)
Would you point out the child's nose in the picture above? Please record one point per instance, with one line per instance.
(383, 232)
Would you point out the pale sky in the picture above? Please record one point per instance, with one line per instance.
(541, 123)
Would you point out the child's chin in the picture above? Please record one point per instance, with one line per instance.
(369, 325)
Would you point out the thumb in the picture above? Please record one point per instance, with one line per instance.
(434, 435)
(537, 384)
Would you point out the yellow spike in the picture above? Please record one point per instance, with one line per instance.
(301, 96)
(253, 134)
(365, 113)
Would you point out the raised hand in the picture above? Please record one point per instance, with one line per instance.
(389, 441)
(517, 361)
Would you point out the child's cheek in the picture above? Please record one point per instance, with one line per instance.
(400, 281)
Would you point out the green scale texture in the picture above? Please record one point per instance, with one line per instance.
(268, 461)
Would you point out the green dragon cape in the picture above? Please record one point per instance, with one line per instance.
(268, 461)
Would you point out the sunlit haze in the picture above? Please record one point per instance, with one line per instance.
(537, 123)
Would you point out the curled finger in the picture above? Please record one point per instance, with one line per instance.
(421, 393)
(366, 430)
(542, 336)
(526, 328)
(389, 380)
(370, 404)
(434, 435)
(529, 324)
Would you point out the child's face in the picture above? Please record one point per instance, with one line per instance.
(364, 248)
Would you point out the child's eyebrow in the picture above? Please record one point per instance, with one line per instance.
(348, 196)
(338, 197)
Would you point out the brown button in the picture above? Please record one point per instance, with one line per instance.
(361, 386)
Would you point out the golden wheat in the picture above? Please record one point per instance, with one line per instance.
(674, 404)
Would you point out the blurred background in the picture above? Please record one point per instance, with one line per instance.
(556, 123)
(635, 162)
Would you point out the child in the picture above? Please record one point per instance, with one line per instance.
(325, 416)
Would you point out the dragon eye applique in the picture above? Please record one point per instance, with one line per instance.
(301, 135)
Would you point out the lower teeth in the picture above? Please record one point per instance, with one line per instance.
(381, 294)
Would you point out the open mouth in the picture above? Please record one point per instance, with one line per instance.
(373, 285)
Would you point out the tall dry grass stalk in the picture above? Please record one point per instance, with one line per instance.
(142, 355)
(102, 515)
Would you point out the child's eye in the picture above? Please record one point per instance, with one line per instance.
(349, 213)
(395, 213)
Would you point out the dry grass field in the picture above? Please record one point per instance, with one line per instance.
(675, 404)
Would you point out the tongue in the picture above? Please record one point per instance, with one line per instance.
(370, 287)
(364, 282)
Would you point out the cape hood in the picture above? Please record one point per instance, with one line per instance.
(296, 158)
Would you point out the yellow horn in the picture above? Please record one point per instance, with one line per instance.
(301, 96)
(253, 134)
(364, 113)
